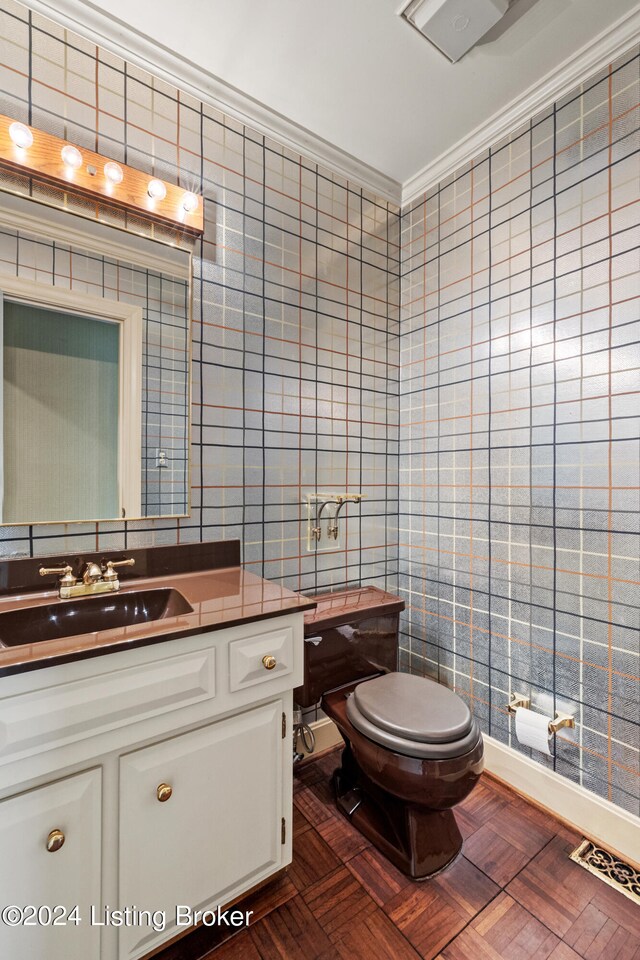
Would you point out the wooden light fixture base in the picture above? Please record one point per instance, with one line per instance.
(43, 161)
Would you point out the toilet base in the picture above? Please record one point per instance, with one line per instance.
(419, 841)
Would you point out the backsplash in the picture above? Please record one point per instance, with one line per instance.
(519, 470)
(295, 332)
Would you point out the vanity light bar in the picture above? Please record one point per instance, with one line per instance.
(47, 158)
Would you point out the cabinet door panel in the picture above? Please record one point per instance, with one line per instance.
(71, 875)
(217, 834)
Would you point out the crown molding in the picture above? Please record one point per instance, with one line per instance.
(116, 36)
(131, 45)
(595, 55)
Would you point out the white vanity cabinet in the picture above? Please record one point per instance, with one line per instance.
(168, 770)
(50, 843)
(222, 817)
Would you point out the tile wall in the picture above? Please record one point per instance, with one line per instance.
(519, 446)
(517, 347)
(295, 328)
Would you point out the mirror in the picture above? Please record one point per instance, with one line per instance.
(95, 359)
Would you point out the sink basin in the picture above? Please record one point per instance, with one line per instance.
(107, 611)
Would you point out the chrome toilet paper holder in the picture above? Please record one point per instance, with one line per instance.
(560, 720)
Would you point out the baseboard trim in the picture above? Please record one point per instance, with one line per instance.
(598, 819)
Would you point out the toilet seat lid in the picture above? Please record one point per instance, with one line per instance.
(414, 708)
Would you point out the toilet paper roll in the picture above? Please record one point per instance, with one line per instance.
(532, 729)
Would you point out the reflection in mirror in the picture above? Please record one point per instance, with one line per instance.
(95, 355)
(60, 415)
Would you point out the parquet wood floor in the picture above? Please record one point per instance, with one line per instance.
(512, 895)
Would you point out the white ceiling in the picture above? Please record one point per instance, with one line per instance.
(353, 73)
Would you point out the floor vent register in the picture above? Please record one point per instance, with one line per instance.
(614, 871)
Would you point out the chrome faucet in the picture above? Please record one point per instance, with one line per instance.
(339, 501)
(95, 578)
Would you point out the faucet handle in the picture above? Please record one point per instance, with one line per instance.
(109, 573)
(67, 578)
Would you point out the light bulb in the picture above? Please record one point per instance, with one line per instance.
(157, 190)
(113, 172)
(21, 135)
(71, 157)
(189, 202)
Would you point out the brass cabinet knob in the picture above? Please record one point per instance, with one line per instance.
(55, 840)
(269, 662)
(164, 792)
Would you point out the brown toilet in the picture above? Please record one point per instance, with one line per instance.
(412, 748)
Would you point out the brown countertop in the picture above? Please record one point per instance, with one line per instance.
(222, 597)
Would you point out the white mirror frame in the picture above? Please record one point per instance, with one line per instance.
(129, 319)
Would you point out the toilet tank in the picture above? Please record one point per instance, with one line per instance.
(350, 635)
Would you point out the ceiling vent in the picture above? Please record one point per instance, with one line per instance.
(453, 26)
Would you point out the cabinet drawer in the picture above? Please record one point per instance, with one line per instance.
(43, 719)
(249, 658)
